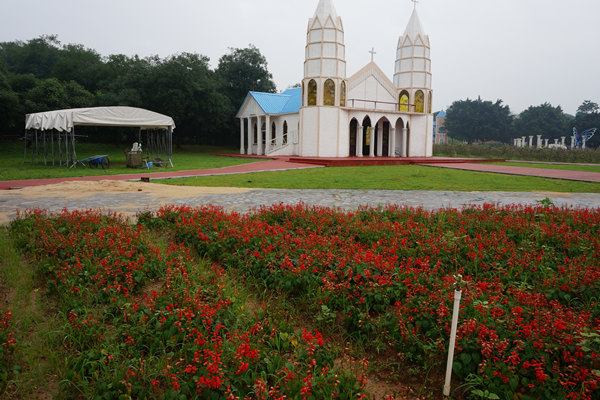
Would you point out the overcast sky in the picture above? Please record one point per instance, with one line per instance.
(525, 52)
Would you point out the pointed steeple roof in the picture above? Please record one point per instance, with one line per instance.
(414, 26)
(326, 9)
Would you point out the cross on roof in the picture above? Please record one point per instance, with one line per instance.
(373, 52)
(415, 2)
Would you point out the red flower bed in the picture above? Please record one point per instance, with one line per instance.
(141, 322)
(529, 318)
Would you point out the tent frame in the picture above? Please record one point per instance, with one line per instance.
(57, 145)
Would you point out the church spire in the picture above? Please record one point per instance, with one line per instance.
(414, 26)
(325, 9)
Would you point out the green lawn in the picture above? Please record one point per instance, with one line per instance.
(567, 167)
(394, 177)
(12, 166)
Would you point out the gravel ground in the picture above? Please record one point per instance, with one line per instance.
(131, 203)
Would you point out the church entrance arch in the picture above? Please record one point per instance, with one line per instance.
(400, 142)
(353, 137)
(368, 136)
(383, 138)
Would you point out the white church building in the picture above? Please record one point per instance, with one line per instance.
(366, 115)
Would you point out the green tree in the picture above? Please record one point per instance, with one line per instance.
(82, 65)
(587, 117)
(545, 120)
(243, 70)
(479, 121)
(9, 103)
(184, 87)
(126, 80)
(52, 94)
(38, 56)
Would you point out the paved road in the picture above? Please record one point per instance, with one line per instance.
(130, 203)
(528, 171)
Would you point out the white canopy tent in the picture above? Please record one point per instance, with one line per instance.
(59, 126)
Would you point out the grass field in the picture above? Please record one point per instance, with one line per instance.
(394, 177)
(566, 167)
(12, 166)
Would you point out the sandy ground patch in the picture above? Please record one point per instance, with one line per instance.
(91, 188)
(151, 195)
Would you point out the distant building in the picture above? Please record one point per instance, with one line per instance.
(440, 134)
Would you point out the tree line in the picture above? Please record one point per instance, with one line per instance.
(478, 121)
(42, 74)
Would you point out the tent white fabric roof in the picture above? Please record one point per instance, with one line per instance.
(64, 120)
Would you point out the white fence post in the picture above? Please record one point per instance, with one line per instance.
(457, 295)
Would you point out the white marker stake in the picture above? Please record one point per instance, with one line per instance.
(457, 295)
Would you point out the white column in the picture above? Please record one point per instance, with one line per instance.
(572, 141)
(259, 146)
(379, 139)
(523, 141)
(242, 148)
(372, 142)
(562, 140)
(546, 143)
(539, 141)
(249, 133)
(359, 141)
(392, 150)
(268, 134)
(404, 142)
(531, 141)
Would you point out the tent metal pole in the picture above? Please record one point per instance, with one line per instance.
(25, 147)
(67, 149)
(37, 152)
(170, 145)
(45, 148)
(73, 142)
(52, 139)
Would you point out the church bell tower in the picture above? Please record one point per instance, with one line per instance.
(412, 78)
(412, 74)
(323, 123)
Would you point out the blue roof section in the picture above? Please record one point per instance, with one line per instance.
(441, 114)
(284, 103)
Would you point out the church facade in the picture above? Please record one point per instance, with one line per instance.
(330, 115)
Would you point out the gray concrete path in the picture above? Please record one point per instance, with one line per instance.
(131, 203)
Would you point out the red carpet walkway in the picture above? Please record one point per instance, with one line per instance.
(280, 164)
(544, 173)
(287, 163)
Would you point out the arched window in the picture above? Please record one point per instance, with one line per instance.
(303, 93)
(312, 93)
(403, 101)
(285, 132)
(263, 131)
(419, 101)
(255, 134)
(329, 93)
(273, 134)
(343, 94)
(430, 103)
